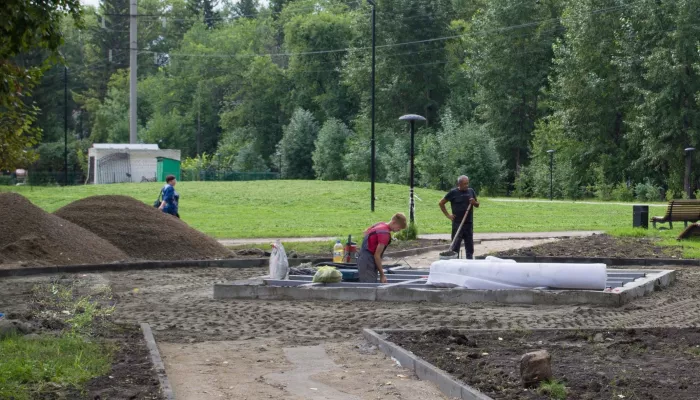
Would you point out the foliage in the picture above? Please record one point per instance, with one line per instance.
(248, 160)
(297, 145)
(410, 233)
(329, 148)
(554, 389)
(647, 191)
(26, 26)
(622, 192)
(459, 149)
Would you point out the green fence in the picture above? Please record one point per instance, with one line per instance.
(44, 178)
(222, 175)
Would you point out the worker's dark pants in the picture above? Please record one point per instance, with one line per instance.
(467, 235)
(367, 267)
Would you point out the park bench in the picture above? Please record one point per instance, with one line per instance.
(680, 210)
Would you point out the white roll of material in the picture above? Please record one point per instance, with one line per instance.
(495, 274)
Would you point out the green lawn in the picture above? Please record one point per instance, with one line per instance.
(315, 208)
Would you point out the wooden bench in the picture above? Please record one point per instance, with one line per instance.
(680, 210)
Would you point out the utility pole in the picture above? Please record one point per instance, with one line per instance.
(372, 142)
(65, 126)
(133, 53)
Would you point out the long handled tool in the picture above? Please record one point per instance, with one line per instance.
(459, 230)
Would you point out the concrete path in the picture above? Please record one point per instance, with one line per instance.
(434, 236)
(309, 361)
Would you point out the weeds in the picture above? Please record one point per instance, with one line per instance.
(554, 389)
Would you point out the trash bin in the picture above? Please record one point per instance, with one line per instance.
(640, 216)
(167, 166)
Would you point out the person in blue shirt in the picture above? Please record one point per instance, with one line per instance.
(170, 197)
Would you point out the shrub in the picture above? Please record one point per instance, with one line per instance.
(410, 233)
(329, 148)
(622, 192)
(647, 191)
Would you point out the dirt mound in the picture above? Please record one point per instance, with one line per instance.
(598, 246)
(142, 231)
(31, 236)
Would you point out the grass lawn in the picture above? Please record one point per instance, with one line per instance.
(268, 209)
(30, 367)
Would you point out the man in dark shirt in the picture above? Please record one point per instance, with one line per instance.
(460, 198)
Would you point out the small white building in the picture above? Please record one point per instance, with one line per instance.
(117, 163)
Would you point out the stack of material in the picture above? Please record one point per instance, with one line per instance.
(142, 231)
(495, 274)
(29, 236)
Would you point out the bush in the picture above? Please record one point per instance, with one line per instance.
(410, 233)
(330, 147)
(6, 181)
(670, 195)
(647, 192)
(622, 192)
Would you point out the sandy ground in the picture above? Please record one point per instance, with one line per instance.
(214, 349)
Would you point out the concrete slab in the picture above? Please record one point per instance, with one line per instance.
(309, 361)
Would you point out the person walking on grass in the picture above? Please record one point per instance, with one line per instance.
(376, 239)
(171, 198)
(460, 198)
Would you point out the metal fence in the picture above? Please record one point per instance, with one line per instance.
(225, 175)
(44, 178)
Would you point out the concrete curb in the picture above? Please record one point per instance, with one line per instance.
(424, 370)
(157, 362)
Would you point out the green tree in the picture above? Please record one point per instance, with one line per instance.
(297, 145)
(246, 8)
(659, 50)
(206, 10)
(248, 160)
(509, 59)
(26, 25)
(329, 148)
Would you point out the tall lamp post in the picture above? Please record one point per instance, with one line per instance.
(372, 142)
(551, 170)
(688, 168)
(412, 118)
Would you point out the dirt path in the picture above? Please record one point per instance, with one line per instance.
(191, 328)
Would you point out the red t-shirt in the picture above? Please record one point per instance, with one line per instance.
(382, 235)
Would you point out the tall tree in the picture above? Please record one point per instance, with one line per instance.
(297, 146)
(510, 55)
(206, 10)
(246, 8)
(26, 25)
(660, 49)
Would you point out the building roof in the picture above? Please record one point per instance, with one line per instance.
(124, 146)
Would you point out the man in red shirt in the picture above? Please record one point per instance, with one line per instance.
(377, 239)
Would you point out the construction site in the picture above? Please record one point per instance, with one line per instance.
(223, 327)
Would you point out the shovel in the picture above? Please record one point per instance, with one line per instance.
(448, 255)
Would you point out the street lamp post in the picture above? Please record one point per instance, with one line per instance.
(688, 171)
(372, 142)
(412, 118)
(551, 170)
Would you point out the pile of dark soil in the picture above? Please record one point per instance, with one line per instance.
(30, 236)
(598, 246)
(141, 231)
(654, 363)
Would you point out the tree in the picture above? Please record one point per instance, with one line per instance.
(205, 9)
(26, 25)
(510, 67)
(248, 160)
(246, 8)
(329, 148)
(659, 50)
(297, 145)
